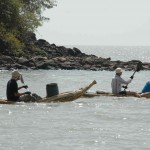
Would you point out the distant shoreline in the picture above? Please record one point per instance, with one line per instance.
(52, 57)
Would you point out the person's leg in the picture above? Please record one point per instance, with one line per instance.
(30, 98)
(123, 93)
(26, 98)
(133, 94)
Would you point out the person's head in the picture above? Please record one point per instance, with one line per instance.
(118, 71)
(16, 75)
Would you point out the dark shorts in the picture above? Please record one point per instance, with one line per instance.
(123, 93)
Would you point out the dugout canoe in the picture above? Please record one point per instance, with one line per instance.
(62, 97)
(102, 93)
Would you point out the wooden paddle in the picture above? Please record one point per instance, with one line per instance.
(22, 80)
(137, 69)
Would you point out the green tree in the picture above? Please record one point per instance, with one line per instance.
(18, 17)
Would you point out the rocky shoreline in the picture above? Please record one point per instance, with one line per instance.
(59, 57)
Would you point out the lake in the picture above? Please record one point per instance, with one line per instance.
(88, 123)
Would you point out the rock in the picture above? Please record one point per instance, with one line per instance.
(87, 67)
(42, 65)
(6, 59)
(42, 43)
(42, 55)
(22, 60)
(30, 37)
(17, 66)
(76, 50)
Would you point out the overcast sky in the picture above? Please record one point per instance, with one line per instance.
(98, 22)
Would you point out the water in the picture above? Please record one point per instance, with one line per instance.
(106, 123)
(123, 53)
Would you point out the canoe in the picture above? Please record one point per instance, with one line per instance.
(63, 97)
(102, 93)
(68, 96)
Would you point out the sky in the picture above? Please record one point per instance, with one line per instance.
(98, 22)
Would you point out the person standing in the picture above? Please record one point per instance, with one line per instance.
(117, 83)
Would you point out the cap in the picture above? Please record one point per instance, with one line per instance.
(119, 70)
(15, 74)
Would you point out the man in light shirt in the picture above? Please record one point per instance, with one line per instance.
(117, 83)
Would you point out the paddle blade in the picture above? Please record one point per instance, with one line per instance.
(139, 66)
(21, 79)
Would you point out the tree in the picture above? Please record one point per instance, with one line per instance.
(18, 17)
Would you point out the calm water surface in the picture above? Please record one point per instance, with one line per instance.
(123, 53)
(106, 123)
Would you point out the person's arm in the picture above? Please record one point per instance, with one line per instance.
(20, 87)
(20, 94)
(122, 81)
(24, 86)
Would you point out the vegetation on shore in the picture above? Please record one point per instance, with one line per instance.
(19, 18)
(20, 49)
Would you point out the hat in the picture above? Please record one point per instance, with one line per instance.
(15, 74)
(119, 70)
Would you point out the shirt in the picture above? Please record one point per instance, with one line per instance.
(116, 84)
(12, 87)
(146, 87)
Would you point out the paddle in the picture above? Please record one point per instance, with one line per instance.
(137, 69)
(22, 80)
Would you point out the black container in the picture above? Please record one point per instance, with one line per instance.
(52, 89)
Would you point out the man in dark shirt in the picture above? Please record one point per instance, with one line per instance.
(12, 87)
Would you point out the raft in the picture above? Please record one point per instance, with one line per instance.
(68, 96)
(102, 93)
(63, 97)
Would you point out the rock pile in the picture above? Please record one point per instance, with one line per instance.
(50, 56)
